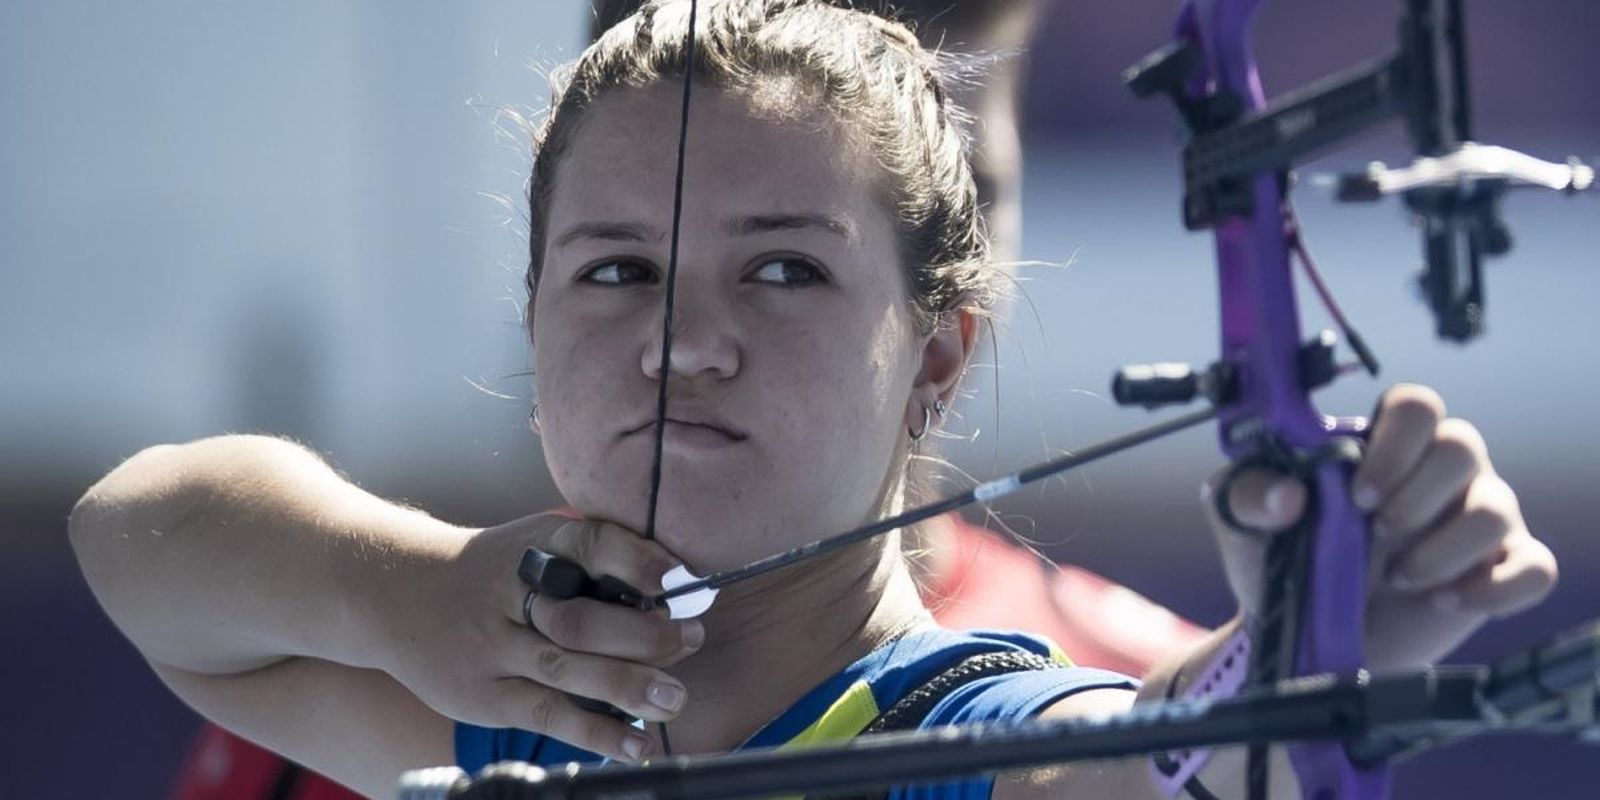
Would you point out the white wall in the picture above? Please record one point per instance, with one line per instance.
(235, 216)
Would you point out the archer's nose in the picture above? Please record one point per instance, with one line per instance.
(703, 344)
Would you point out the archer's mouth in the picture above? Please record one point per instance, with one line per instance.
(692, 432)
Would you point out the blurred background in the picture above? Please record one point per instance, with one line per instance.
(292, 218)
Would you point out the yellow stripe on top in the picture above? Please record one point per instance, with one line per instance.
(856, 708)
(1058, 655)
(849, 715)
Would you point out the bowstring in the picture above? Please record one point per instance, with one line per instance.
(666, 316)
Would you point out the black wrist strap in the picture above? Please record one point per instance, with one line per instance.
(909, 711)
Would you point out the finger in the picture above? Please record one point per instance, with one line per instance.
(1474, 537)
(1523, 578)
(1451, 463)
(1265, 500)
(1259, 499)
(603, 548)
(590, 626)
(640, 690)
(1401, 433)
(522, 703)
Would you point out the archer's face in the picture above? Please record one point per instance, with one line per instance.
(794, 350)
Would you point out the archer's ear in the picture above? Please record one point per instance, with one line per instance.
(945, 356)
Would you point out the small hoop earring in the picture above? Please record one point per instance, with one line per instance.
(927, 420)
(940, 408)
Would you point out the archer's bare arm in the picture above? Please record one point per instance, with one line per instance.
(346, 632)
(249, 574)
(1131, 778)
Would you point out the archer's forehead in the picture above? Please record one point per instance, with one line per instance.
(743, 155)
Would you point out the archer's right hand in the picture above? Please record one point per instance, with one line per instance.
(461, 645)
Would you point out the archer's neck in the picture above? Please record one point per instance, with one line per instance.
(772, 639)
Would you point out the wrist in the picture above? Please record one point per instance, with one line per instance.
(1172, 676)
(1216, 669)
(395, 588)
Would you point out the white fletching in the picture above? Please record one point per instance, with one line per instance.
(690, 605)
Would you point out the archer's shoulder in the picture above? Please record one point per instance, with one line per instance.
(1008, 689)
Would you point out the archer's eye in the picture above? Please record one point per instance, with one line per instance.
(790, 271)
(621, 272)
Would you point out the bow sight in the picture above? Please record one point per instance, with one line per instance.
(1453, 189)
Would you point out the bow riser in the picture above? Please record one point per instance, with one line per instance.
(1312, 618)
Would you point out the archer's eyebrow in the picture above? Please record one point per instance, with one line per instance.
(735, 226)
(763, 223)
(608, 231)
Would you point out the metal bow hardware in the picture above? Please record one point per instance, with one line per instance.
(1307, 687)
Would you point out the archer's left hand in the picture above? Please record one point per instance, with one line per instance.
(1449, 546)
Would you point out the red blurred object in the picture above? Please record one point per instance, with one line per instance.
(991, 584)
(221, 766)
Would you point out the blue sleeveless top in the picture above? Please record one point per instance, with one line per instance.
(847, 703)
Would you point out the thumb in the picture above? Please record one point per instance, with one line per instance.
(1261, 502)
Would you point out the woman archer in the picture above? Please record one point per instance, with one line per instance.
(833, 274)
(969, 577)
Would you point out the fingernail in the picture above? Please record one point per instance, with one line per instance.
(1278, 497)
(665, 696)
(1446, 600)
(634, 745)
(1365, 497)
(694, 634)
